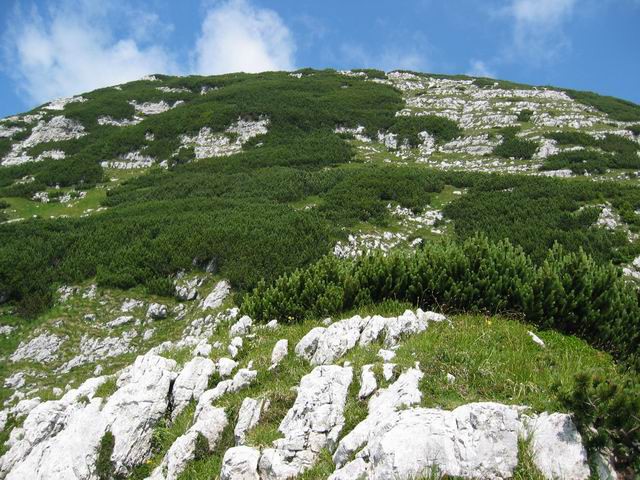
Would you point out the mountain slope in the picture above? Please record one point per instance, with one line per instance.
(126, 210)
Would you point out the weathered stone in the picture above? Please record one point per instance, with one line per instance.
(368, 383)
(241, 327)
(43, 348)
(240, 463)
(279, 352)
(157, 311)
(191, 383)
(248, 417)
(217, 295)
(557, 447)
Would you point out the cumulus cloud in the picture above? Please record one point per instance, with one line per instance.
(538, 27)
(236, 36)
(479, 68)
(64, 51)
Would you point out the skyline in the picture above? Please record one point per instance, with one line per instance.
(60, 48)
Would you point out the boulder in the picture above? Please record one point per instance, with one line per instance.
(557, 446)
(191, 383)
(217, 295)
(313, 423)
(248, 417)
(279, 352)
(157, 311)
(368, 383)
(240, 463)
(241, 327)
(226, 366)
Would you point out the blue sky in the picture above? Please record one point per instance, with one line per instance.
(57, 48)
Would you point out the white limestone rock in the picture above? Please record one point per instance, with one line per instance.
(210, 423)
(476, 440)
(241, 327)
(60, 103)
(226, 366)
(119, 321)
(368, 383)
(15, 381)
(95, 348)
(191, 383)
(248, 417)
(322, 346)
(6, 330)
(280, 351)
(235, 346)
(217, 296)
(133, 410)
(151, 108)
(187, 290)
(382, 405)
(240, 463)
(557, 447)
(43, 349)
(386, 355)
(131, 304)
(314, 422)
(157, 311)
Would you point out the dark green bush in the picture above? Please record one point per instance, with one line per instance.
(568, 292)
(496, 205)
(572, 138)
(408, 128)
(525, 115)
(592, 161)
(514, 147)
(608, 417)
(635, 129)
(616, 108)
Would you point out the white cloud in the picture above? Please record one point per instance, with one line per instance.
(538, 27)
(68, 50)
(479, 68)
(237, 36)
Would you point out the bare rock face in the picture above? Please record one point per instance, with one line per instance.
(217, 295)
(94, 348)
(557, 447)
(248, 417)
(210, 422)
(313, 423)
(191, 383)
(476, 440)
(43, 348)
(240, 463)
(322, 346)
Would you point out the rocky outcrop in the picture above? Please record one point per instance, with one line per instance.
(313, 423)
(322, 346)
(43, 349)
(210, 422)
(240, 463)
(248, 417)
(59, 439)
(217, 295)
(557, 447)
(191, 383)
